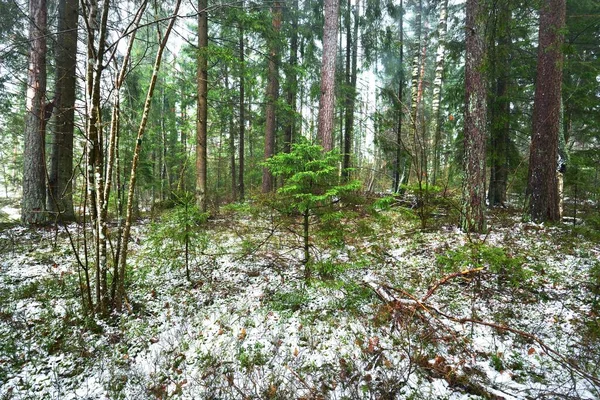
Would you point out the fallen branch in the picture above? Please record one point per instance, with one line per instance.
(385, 293)
(447, 278)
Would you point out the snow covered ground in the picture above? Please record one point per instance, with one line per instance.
(523, 325)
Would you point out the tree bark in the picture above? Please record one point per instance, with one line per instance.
(136, 157)
(352, 47)
(542, 187)
(400, 150)
(34, 168)
(202, 122)
(473, 210)
(327, 99)
(292, 81)
(60, 188)
(436, 130)
(272, 94)
(242, 114)
(500, 107)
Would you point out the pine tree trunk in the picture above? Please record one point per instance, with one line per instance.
(352, 47)
(542, 188)
(327, 99)
(60, 188)
(272, 94)
(400, 150)
(292, 81)
(232, 168)
(34, 168)
(242, 114)
(473, 210)
(202, 122)
(500, 107)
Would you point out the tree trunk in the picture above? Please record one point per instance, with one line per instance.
(242, 113)
(400, 150)
(136, 157)
(352, 46)
(542, 187)
(231, 139)
(202, 122)
(292, 81)
(473, 210)
(436, 130)
(34, 168)
(272, 94)
(327, 99)
(500, 107)
(60, 188)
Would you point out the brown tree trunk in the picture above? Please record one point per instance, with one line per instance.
(231, 140)
(327, 99)
(500, 107)
(473, 210)
(272, 94)
(292, 81)
(202, 122)
(352, 47)
(242, 114)
(399, 161)
(60, 188)
(542, 187)
(34, 168)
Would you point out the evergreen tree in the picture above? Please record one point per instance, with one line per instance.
(473, 207)
(542, 187)
(33, 206)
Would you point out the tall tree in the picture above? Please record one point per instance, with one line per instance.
(542, 187)
(34, 168)
(327, 99)
(499, 112)
(242, 106)
(202, 121)
(351, 70)
(473, 210)
(399, 161)
(272, 94)
(292, 80)
(436, 130)
(60, 187)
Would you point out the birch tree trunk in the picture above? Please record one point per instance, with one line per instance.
(436, 131)
(136, 158)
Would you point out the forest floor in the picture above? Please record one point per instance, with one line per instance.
(392, 311)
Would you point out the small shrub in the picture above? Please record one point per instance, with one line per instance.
(496, 260)
(290, 301)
